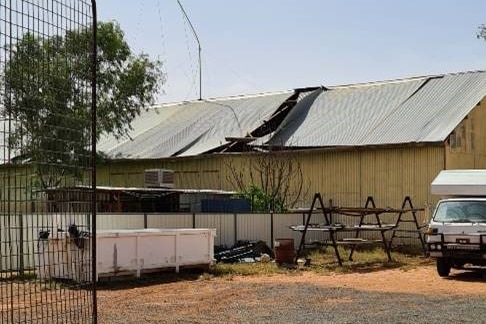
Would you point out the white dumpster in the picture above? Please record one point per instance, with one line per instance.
(121, 252)
(127, 252)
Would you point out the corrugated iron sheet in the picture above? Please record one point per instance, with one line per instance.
(405, 111)
(192, 128)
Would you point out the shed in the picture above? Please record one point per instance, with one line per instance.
(386, 139)
(132, 199)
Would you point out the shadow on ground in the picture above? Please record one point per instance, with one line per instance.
(474, 275)
(127, 282)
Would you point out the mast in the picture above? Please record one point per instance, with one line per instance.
(199, 47)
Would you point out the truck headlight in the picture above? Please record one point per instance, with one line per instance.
(439, 247)
(432, 247)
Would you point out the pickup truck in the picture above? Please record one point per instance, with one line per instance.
(456, 234)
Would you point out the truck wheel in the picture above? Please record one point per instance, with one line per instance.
(443, 267)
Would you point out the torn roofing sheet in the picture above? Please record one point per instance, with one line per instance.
(191, 128)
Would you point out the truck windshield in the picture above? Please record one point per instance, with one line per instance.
(461, 212)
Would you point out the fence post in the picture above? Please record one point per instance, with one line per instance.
(271, 230)
(21, 245)
(236, 227)
(145, 221)
(193, 220)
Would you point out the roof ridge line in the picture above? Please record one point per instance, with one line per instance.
(232, 97)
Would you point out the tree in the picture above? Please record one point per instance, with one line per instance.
(47, 96)
(271, 181)
(481, 34)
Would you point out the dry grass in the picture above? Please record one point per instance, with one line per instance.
(323, 261)
(248, 269)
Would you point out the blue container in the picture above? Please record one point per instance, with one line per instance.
(225, 206)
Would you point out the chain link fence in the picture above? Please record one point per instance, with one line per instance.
(46, 121)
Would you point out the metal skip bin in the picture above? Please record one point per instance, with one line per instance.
(128, 252)
(132, 252)
(62, 258)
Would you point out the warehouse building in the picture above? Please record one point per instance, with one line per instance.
(383, 139)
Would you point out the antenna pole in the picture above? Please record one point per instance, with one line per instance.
(199, 47)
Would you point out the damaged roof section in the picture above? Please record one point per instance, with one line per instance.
(415, 110)
(196, 127)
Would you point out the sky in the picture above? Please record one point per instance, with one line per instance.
(256, 46)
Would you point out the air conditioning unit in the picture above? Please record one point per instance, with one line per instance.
(159, 178)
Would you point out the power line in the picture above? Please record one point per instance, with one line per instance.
(192, 79)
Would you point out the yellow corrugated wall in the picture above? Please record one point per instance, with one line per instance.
(387, 174)
(470, 151)
(346, 177)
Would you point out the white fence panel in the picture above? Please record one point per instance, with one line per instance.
(254, 227)
(15, 229)
(19, 236)
(281, 230)
(9, 243)
(119, 221)
(224, 225)
(169, 220)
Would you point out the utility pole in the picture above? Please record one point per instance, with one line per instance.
(199, 48)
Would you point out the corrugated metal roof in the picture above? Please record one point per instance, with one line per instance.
(413, 110)
(192, 128)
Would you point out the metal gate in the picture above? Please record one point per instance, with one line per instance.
(47, 170)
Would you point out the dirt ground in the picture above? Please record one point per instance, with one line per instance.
(383, 296)
(422, 280)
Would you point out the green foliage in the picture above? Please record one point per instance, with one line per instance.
(481, 34)
(48, 96)
(262, 201)
(271, 181)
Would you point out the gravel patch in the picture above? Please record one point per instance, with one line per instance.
(310, 298)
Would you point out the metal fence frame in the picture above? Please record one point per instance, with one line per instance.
(28, 291)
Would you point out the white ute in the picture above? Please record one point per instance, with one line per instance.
(456, 234)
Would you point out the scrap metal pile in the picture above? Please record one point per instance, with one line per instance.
(244, 251)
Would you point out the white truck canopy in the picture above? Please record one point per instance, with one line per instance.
(460, 183)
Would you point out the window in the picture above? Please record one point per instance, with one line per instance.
(461, 212)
